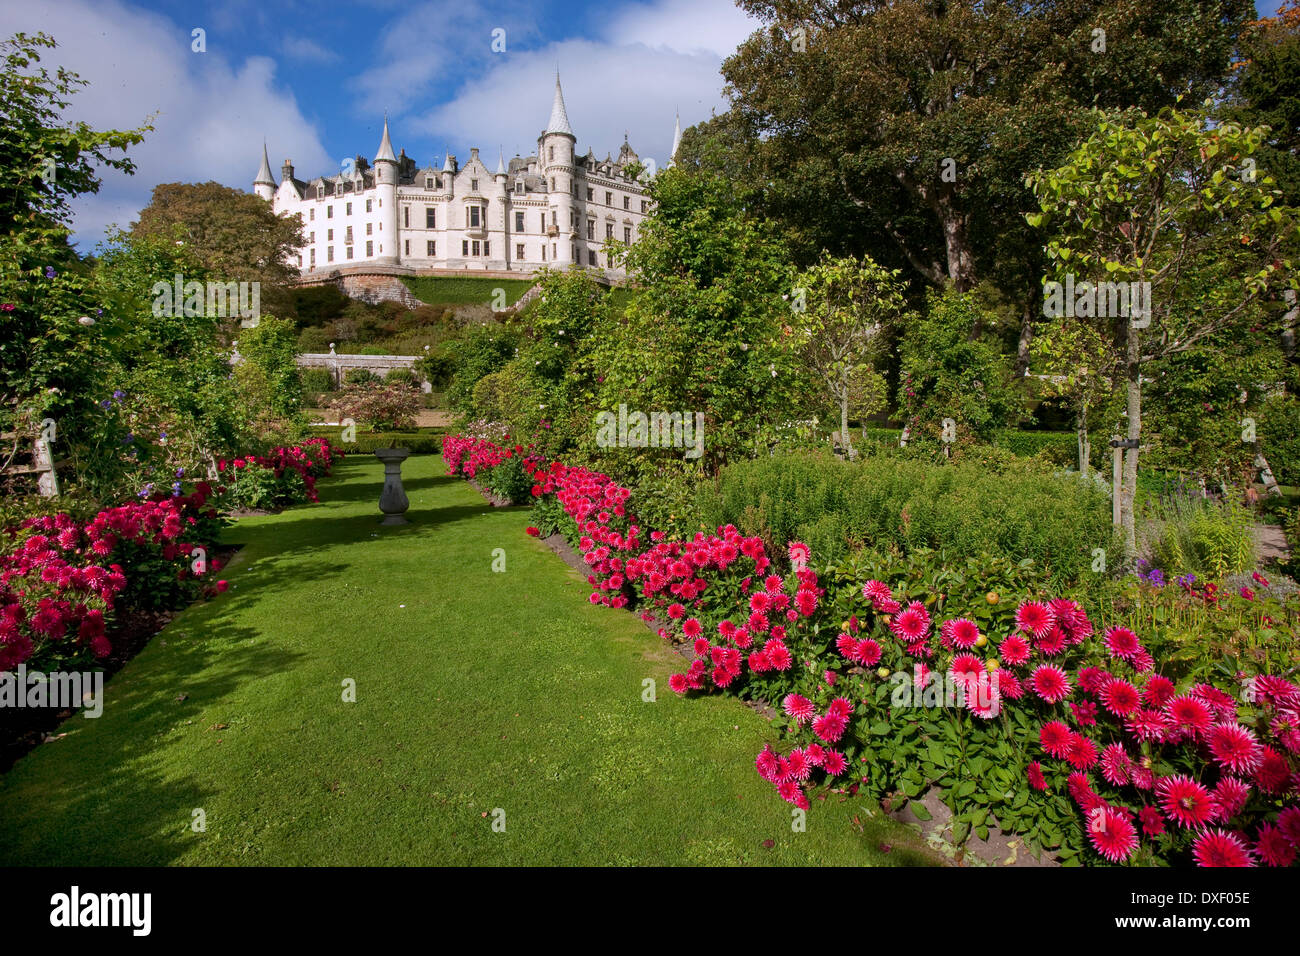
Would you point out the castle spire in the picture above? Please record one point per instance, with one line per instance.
(385, 146)
(677, 136)
(501, 163)
(559, 115)
(264, 176)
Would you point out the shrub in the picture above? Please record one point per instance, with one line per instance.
(382, 407)
(316, 381)
(360, 376)
(1201, 536)
(962, 507)
(401, 376)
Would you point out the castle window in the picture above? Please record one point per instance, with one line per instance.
(591, 257)
(643, 207)
(551, 154)
(329, 235)
(329, 212)
(312, 237)
(348, 211)
(627, 200)
(348, 252)
(519, 222)
(543, 252)
(477, 245)
(370, 205)
(474, 217)
(406, 250)
(406, 217)
(300, 262)
(430, 217)
(591, 229)
(370, 228)
(627, 235)
(485, 248)
(552, 184)
(313, 258)
(431, 248)
(370, 249)
(473, 185)
(329, 254)
(320, 192)
(609, 230)
(519, 250)
(428, 182)
(313, 214)
(590, 193)
(609, 199)
(519, 187)
(348, 236)
(464, 247)
(543, 229)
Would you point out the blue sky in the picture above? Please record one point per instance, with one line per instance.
(315, 79)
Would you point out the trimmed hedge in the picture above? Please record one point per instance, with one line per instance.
(1060, 447)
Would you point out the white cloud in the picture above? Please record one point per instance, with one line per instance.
(685, 26)
(210, 113)
(608, 90)
(300, 48)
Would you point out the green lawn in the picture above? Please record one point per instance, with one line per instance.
(475, 690)
(455, 290)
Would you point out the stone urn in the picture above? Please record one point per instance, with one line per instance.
(392, 500)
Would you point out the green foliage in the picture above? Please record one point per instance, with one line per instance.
(377, 405)
(837, 507)
(269, 373)
(949, 370)
(482, 350)
(706, 326)
(360, 376)
(1196, 535)
(316, 380)
(509, 481)
(424, 441)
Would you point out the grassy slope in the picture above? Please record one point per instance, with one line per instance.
(486, 690)
(454, 290)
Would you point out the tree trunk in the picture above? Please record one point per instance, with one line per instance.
(844, 427)
(1133, 372)
(1026, 336)
(961, 263)
(1085, 447)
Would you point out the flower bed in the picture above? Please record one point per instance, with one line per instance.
(1026, 716)
(61, 579)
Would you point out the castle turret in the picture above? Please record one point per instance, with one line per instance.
(555, 154)
(385, 167)
(264, 184)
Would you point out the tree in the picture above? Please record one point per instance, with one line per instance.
(704, 330)
(840, 308)
(47, 351)
(1079, 366)
(234, 235)
(1165, 210)
(951, 370)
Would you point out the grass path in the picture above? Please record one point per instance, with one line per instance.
(486, 690)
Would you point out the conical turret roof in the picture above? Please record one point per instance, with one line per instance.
(559, 122)
(264, 173)
(385, 146)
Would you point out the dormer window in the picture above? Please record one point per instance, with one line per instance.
(428, 182)
(473, 185)
(519, 187)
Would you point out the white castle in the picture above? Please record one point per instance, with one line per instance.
(554, 209)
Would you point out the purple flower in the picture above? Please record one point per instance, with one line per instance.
(1186, 581)
(146, 491)
(105, 404)
(180, 472)
(1155, 576)
(176, 488)
(118, 393)
(49, 272)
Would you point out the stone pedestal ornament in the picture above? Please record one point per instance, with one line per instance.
(392, 500)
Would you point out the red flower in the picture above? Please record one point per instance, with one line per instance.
(1050, 683)
(1221, 848)
(1034, 618)
(1234, 747)
(1036, 778)
(1055, 738)
(1273, 846)
(1119, 697)
(1185, 800)
(1112, 834)
(532, 531)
